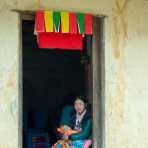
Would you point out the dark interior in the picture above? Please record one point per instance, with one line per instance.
(49, 76)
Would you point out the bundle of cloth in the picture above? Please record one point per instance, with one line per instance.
(72, 144)
(66, 131)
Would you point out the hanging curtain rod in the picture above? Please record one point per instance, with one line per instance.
(32, 12)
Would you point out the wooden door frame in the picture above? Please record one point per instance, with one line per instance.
(97, 89)
(98, 82)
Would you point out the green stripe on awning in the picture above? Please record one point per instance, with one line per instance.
(56, 18)
(80, 19)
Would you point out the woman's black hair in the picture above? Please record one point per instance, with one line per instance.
(83, 98)
(87, 105)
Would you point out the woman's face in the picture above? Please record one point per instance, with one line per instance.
(79, 106)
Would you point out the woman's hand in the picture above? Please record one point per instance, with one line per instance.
(70, 132)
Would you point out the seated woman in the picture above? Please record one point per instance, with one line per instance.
(80, 125)
(81, 120)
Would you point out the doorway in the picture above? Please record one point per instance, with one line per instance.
(48, 74)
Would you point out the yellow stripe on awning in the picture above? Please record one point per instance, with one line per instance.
(65, 22)
(48, 16)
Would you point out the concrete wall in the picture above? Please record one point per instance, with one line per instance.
(126, 34)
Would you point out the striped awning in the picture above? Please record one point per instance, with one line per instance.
(62, 25)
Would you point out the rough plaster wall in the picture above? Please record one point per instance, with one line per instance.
(8, 79)
(126, 34)
(126, 94)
